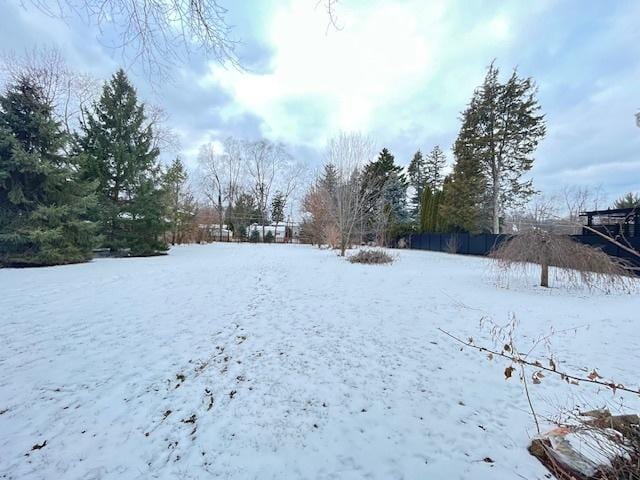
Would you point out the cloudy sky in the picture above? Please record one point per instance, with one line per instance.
(401, 71)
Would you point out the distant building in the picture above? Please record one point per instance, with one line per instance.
(212, 232)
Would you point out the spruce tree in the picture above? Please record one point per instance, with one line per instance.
(122, 160)
(417, 179)
(433, 166)
(243, 213)
(629, 200)
(385, 186)
(43, 219)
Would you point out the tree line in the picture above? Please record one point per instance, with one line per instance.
(485, 188)
(71, 184)
(501, 128)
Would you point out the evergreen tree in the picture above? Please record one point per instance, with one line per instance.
(43, 219)
(181, 206)
(464, 190)
(430, 220)
(329, 179)
(434, 164)
(278, 205)
(254, 237)
(501, 129)
(122, 160)
(629, 200)
(385, 187)
(242, 214)
(417, 179)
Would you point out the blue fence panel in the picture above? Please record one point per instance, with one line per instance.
(484, 243)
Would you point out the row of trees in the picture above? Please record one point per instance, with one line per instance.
(249, 182)
(63, 193)
(500, 131)
(69, 185)
(359, 199)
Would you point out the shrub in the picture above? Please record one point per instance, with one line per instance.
(268, 237)
(371, 257)
(453, 244)
(254, 237)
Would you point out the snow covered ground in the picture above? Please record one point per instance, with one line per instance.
(285, 362)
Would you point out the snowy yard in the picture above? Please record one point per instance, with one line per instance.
(285, 362)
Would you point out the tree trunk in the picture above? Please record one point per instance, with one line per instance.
(544, 275)
(496, 211)
(220, 224)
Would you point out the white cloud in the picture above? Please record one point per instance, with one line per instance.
(350, 75)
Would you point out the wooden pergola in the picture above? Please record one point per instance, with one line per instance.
(613, 222)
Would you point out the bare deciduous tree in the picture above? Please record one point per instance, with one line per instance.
(164, 137)
(235, 159)
(348, 152)
(67, 91)
(577, 199)
(212, 163)
(154, 33)
(316, 203)
(157, 34)
(266, 164)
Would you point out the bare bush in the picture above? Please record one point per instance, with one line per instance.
(453, 244)
(316, 203)
(371, 257)
(577, 263)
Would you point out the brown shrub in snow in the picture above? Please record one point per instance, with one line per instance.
(371, 257)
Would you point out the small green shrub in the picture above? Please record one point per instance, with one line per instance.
(268, 237)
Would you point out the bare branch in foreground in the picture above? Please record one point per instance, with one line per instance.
(593, 377)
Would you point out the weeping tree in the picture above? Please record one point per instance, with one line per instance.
(578, 263)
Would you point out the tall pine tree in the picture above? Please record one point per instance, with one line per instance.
(417, 180)
(122, 160)
(501, 129)
(463, 192)
(43, 219)
(433, 166)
